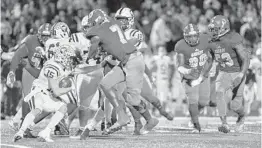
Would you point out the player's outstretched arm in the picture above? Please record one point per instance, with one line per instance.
(95, 40)
(20, 53)
(86, 69)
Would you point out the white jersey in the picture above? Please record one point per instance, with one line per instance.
(162, 63)
(51, 69)
(78, 40)
(136, 34)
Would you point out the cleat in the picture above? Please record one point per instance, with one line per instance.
(138, 127)
(77, 134)
(224, 128)
(61, 128)
(114, 128)
(44, 136)
(167, 115)
(17, 136)
(28, 134)
(197, 127)
(84, 134)
(212, 104)
(240, 124)
(150, 125)
(103, 127)
(13, 125)
(190, 124)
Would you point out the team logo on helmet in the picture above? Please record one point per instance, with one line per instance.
(60, 30)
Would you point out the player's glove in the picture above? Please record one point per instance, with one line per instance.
(196, 82)
(238, 79)
(65, 82)
(10, 79)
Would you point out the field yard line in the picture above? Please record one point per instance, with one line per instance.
(16, 146)
(208, 130)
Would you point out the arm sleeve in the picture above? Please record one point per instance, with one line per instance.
(21, 52)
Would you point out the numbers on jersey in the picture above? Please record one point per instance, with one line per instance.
(51, 49)
(224, 59)
(51, 72)
(115, 28)
(163, 69)
(195, 61)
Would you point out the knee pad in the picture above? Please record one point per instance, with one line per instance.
(63, 109)
(236, 104)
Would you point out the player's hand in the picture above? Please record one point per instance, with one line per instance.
(238, 79)
(10, 79)
(197, 81)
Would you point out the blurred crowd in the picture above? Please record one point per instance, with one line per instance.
(162, 22)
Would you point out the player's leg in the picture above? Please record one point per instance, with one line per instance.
(223, 90)
(236, 104)
(147, 93)
(60, 109)
(193, 98)
(204, 94)
(35, 104)
(134, 69)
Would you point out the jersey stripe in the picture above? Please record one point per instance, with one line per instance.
(74, 99)
(70, 98)
(56, 69)
(133, 34)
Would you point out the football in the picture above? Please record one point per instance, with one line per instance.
(65, 82)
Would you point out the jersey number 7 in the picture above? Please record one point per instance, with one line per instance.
(115, 28)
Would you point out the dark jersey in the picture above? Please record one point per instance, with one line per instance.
(225, 53)
(195, 56)
(28, 49)
(113, 40)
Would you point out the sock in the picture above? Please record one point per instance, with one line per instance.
(136, 115)
(147, 115)
(223, 119)
(193, 110)
(18, 116)
(31, 126)
(29, 118)
(108, 111)
(56, 118)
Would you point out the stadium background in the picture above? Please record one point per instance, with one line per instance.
(162, 22)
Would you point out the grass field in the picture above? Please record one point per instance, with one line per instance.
(173, 134)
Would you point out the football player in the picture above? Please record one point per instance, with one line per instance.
(233, 61)
(136, 37)
(29, 49)
(107, 32)
(49, 91)
(192, 53)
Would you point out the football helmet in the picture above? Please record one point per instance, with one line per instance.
(97, 17)
(126, 17)
(44, 32)
(66, 56)
(85, 23)
(60, 30)
(191, 34)
(218, 26)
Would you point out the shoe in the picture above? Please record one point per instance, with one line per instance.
(150, 125)
(167, 115)
(114, 128)
(18, 136)
(190, 124)
(197, 127)
(240, 124)
(108, 124)
(13, 125)
(212, 104)
(61, 128)
(138, 127)
(224, 128)
(28, 134)
(77, 134)
(84, 134)
(44, 136)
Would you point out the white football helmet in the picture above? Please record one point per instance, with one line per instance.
(65, 55)
(126, 17)
(60, 30)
